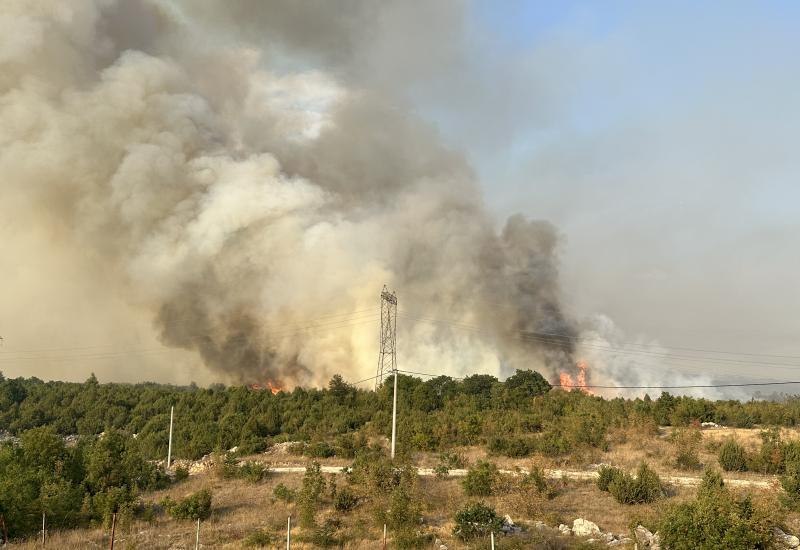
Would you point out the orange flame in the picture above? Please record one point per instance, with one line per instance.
(566, 381)
(274, 388)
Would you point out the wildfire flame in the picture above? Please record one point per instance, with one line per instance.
(274, 388)
(579, 383)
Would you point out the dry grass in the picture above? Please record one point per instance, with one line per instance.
(241, 507)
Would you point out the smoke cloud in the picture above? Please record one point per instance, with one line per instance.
(229, 174)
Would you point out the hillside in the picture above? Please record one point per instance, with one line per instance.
(522, 449)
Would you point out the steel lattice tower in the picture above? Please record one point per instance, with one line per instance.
(387, 356)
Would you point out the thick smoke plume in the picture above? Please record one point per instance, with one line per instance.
(238, 170)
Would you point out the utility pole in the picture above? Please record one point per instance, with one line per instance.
(394, 414)
(387, 355)
(169, 446)
(289, 533)
(197, 536)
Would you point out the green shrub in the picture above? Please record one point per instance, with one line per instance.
(553, 443)
(181, 473)
(282, 492)
(770, 458)
(716, 519)
(447, 462)
(790, 482)
(476, 520)
(309, 496)
(608, 474)
(536, 480)
(514, 447)
(324, 535)
(195, 506)
(452, 460)
(259, 538)
(345, 500)
(320, 449)
(252, 472)
(687, 448)
(481, 479)
(626, 489)
(732, 457)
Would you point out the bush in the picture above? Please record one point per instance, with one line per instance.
(259, 539)
(252, 472)
(732, 457)
(716, 519)
(452, 460)
(282, 492)
(227, 468)
(447, 462)
(513, 447)
(309, 497)
(320, 449)
(687, 447)
(345, 500)
(325, 535)
(608, 474)
(476, 520)
(644, 488)
(181, 473)
(195, 506)
(790, 482)
(770, 458)
(481, 479)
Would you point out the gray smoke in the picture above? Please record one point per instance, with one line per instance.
(235, 170)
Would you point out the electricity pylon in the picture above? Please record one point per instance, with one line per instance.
(387, 356)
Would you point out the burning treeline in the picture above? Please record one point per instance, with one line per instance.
(236, 200)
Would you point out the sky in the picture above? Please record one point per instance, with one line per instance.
(661, 139)
(657, 140)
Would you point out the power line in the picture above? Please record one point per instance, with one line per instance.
(339, 324)
(506, 305)
(299, 324)
(366, 379)
(532, 336)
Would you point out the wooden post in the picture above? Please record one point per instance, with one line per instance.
(5, 531)
(492, 540)
(113, 529)
(44, 530)
(384, 536)
(197, 536)
(289, 533)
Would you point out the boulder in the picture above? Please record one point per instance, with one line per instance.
(785, 539)
(564, 529)
(509, 526)
(646, 539)
(584, 528)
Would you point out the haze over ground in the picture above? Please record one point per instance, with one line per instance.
(659, 141)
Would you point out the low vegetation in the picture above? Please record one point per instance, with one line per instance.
(717, 519)
(646, 487)
(112, 464)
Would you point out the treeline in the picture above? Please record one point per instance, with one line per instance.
(515, 417)
(71, 485)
